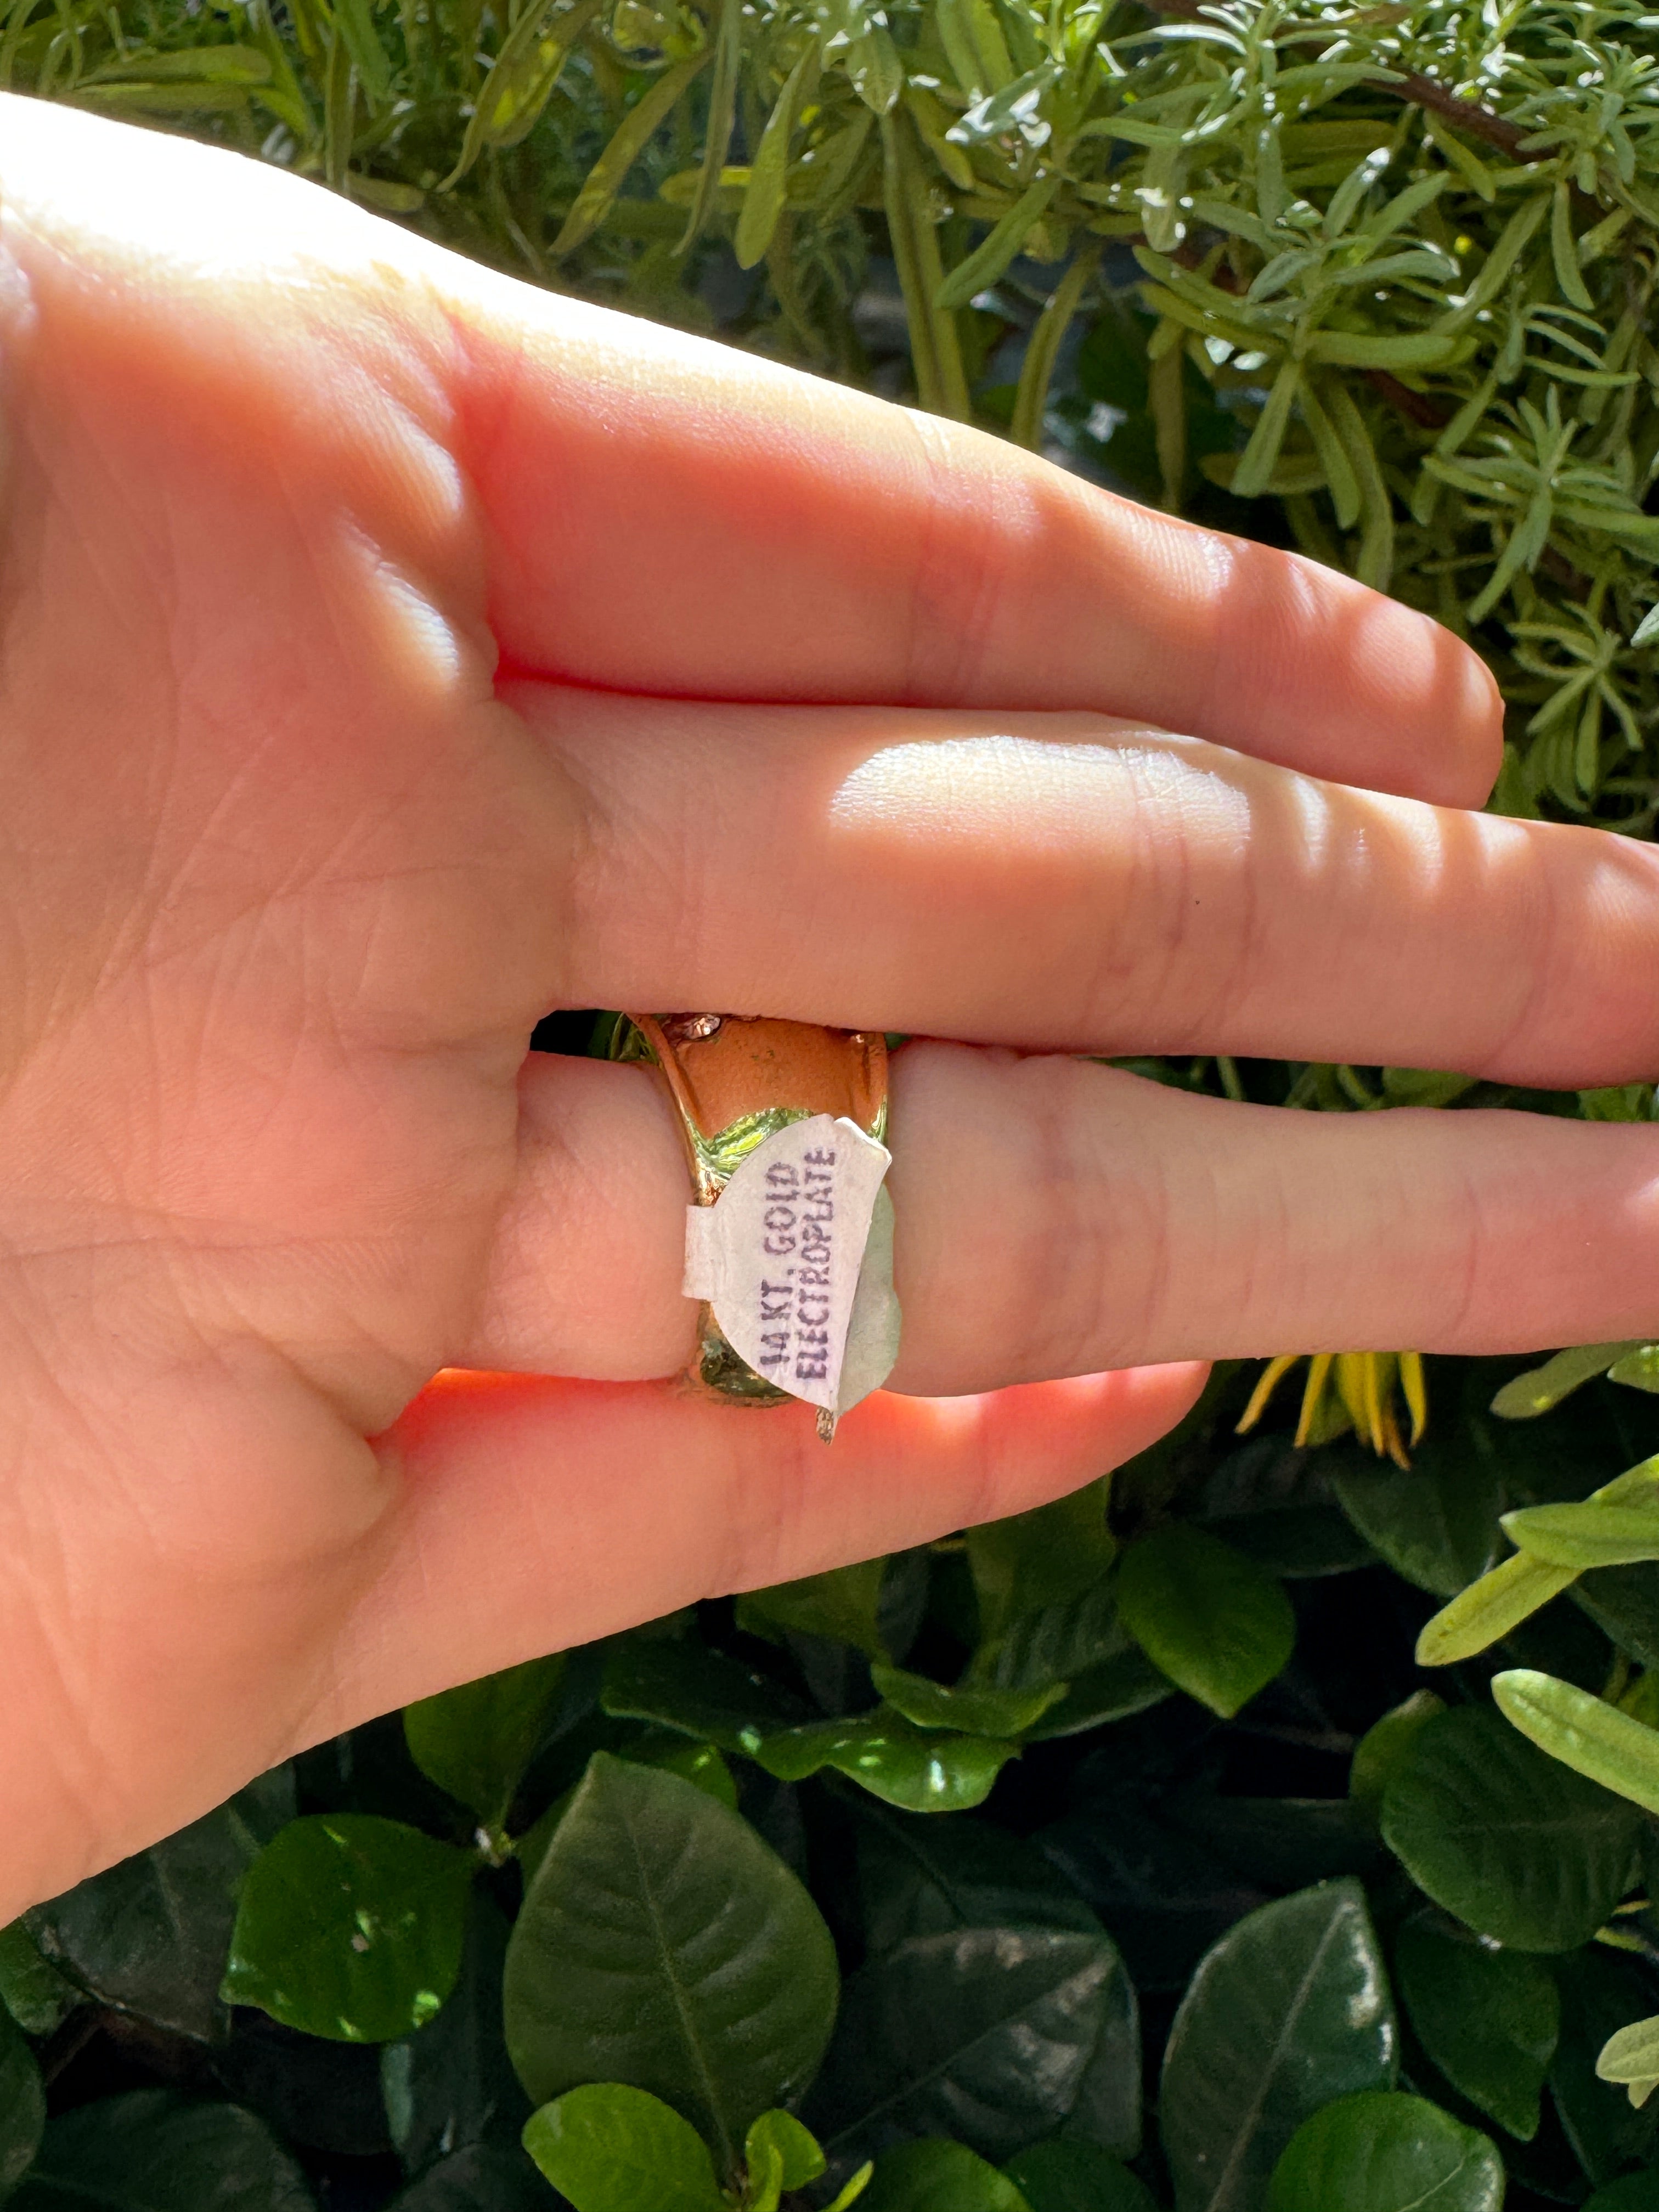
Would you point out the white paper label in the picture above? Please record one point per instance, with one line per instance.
(778, 1254)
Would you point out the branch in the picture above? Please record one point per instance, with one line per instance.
(1480, 122)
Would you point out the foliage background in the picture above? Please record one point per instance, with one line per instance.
(1374, 281)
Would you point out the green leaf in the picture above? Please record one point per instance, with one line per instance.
(939, 2177)
(1593, 1738)
(476, 1741)
(611, 2148)
(1050, 1556)
(1215, 1624)
(1542, 1388)
(993, 255)
(151, 1935)
(1488, 2019)
(1510, 1842)
(151, 2152)
(685, 1685)
(228, 64)
(1289, 2011)
(356, 26)
(762, 198)
(893, 1760)
(22, 2104)
(450, 2083)
(1638, 1370)
(1601, 1993)
(1116, 1690)
(1489, 1609)
(920, 1876)
(1384, 1744)
(350, 1927)
(1076, 2177)
(1382, 2151)
(1631, 2056)
(1380, 349)
(38, 1998)
(1435, 1522)
(1257, 462)
(604, 179)
(1052, 1642)
(663, 1944)
(844, 1605)
(974, 1711)
(529, 64)
(780, 2137)
(937, 2035)
(1579, 1537)
(722, 113)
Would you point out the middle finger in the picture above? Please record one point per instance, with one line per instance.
(1067, 882)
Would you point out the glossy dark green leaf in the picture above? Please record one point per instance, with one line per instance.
(1288, 2012)
(38, 1998)
(1048, 1556)
(1210, 1618)
(1054, 1642)
(611, 2148)
(1488, 2019)
(1116, 1690)
(151, 2152)
(843, 1604)
(1164, 1894)
(151, 1935)
(938, 2177)
(1384, 1744)
(1435, 1522)
(920, 1876)
(451, 2083)
(1514, 1843)
(350, 1927)
(1601, 1992)
(1382, 2151)
(681, 1684)
(920, 1769)
(975, 1711)
(476, 1741)
(663, 1944)
(484, 2177)
(990, 2035)
(1075, 2176)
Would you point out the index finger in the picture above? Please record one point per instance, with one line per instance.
(670, 515)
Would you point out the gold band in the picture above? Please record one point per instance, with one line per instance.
(735, 1080)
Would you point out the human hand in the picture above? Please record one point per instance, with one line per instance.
(801, 709)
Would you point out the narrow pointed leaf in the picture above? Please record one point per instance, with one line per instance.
(1593, 1738)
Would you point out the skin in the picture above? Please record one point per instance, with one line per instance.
(392, 654)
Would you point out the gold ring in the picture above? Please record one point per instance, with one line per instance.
(789, 1235)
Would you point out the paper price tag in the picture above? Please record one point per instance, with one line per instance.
(779, 1257)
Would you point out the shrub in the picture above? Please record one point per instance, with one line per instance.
(922, 1862)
